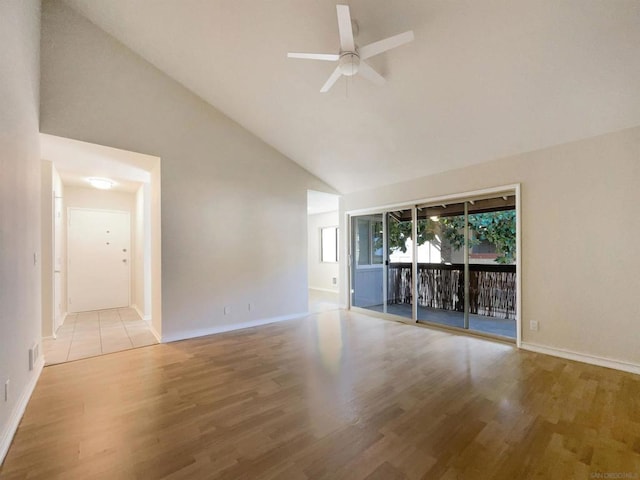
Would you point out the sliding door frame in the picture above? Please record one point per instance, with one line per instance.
(457, 197)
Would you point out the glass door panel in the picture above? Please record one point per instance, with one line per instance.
(400, 263)
(455, 267)
(492, 266)
(440, 256)
(367, 268)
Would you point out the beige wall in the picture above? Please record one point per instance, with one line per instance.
(580, 230)
(321, 274)
(20, 178)
(231, 205)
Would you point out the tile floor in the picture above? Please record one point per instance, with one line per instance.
(89, 334)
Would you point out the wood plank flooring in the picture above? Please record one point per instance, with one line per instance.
(336, 395)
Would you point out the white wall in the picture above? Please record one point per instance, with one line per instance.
(59, 252)
(155, 260)
(321, 274)
(81, 197)
(580, 230)
(142, 286)
(88, 197)
(51, 187)
(230, 203)
(46, 247)
(20, 317)
(137, 297)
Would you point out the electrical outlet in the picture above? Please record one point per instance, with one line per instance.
(6, 391)
(334, 280)
(533, 325)
(227, 310)
(249, 306)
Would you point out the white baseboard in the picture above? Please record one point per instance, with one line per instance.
(64, 318)
(581, 357)
(155, 333)
(11, 427)
(146, 318)
(324, 289)
(174, 337)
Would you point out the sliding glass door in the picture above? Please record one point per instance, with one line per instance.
(367, 268)
(450, 264)
(492, 266)
(399, 262)
(441, 272)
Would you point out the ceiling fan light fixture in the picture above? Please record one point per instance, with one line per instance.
(349, 63)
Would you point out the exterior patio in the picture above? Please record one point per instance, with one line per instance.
(478, 323)
(492, 296)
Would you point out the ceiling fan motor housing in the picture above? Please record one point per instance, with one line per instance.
(349, 63)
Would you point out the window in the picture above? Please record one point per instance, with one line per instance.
(376, 243)
(329, 244)
(368, 241)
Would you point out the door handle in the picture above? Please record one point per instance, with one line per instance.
(124, 260)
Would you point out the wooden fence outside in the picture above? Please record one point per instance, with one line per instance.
(492, 288)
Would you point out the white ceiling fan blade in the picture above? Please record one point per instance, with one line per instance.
(346, 31)
(387, 44)
(330, 57)
(332, 79)
(370, 74)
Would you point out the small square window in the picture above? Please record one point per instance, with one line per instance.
(329, 248)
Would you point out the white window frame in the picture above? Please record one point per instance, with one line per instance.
(333, 237)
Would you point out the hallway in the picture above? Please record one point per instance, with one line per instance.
(89, 334)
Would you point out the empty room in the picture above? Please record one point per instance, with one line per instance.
(364, 240)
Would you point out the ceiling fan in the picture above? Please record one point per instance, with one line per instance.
(351, 59)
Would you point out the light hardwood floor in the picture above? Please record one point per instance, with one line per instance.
(322, 301)
(334, 395)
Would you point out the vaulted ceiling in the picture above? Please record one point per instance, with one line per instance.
(483, 78)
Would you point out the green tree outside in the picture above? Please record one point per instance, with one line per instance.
(498, 228)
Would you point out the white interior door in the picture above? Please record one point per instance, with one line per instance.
(98, 259)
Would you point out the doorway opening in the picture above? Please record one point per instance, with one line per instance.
(323, 240)
(100, 249)
(449, 262)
